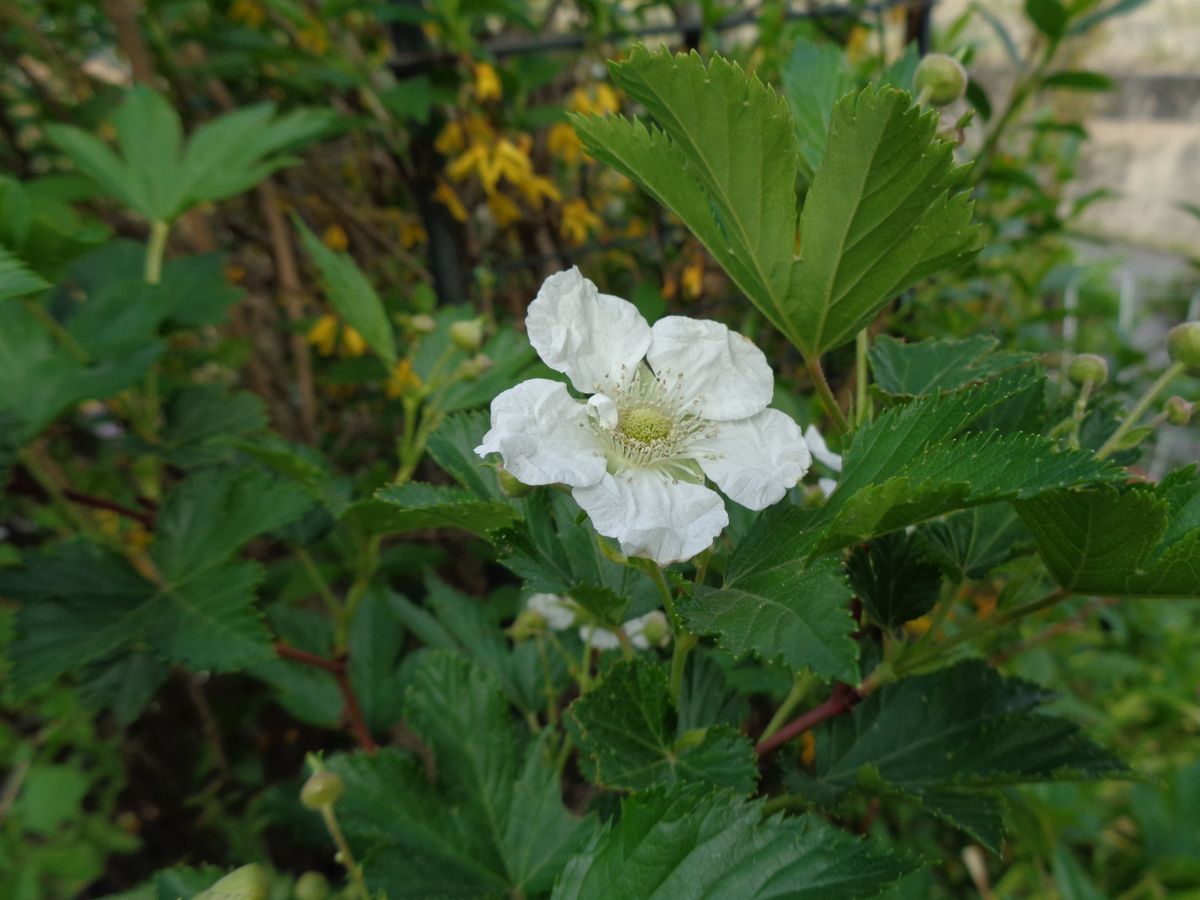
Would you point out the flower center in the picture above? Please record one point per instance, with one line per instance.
(645, 425)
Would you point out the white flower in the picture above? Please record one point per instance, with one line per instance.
(635, 630)
(825, 456)
(559, 612)
(669, 405)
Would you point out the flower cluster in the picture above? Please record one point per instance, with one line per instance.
(669, 406)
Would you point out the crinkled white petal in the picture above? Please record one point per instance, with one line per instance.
(603, 410)
(599, 638)
(587, 335)
(723, 369)
(827, 486)
(654, 516)
(543, 435)
(755, 460)
(635, 629)
(820, 450)
(559, 612)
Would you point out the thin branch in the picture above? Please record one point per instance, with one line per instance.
(841, 701)
(339, 669)
(146, 519)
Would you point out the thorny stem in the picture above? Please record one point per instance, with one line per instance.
(841, 701)
(343, 855)
(841, 423)
(339, 669)
(1110, 446)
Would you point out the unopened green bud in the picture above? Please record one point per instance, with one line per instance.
(422, 323)
(1183, 343)
(1178, 410)
(474, 367)
(511, 485)
(1088, 367)
(940, 79)
(311, 886)
(528, 624)
(247, 883)
(322, 789)
(467, 335)
(657, 630)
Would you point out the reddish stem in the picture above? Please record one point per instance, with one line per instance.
(145, 518)
(841, 701)
(340, 671)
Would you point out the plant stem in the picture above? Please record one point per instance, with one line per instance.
(339, 668)
(319, 582)
(343, 855)
(801, 682)
(1110, 446)
(861, 412)
(684, 641)
(841, 701)
(156, 246)
(841, 423)
(1081, 402)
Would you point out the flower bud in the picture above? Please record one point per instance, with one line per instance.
(1179, 411)
(422, 323)
(1088, 367)
(247, 883)
(311, 886)
(322, 789)
(941, 79)
(474, 367)
(511, 486)
(467, 335)
(529, 623)
(1183, 343)
(656, 629)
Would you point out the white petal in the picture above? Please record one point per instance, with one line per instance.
(599, 638)
(559, 612)
(544, 436)
(603, 410)
(755, 460)
(820, 450)
(635, 629)
(827, 486)
(723, 369)
(585, 334)
(652, 515)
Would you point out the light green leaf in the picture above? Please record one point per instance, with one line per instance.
(934, 365)
(815, 77)
(415, 506)
(1132, 542)
(351, 294)
(150, 137)
(948, 740)
(15, 279)
(627, 732)
(94, 159)
(683, 844)
(792, 612)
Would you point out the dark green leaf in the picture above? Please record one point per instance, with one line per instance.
(934, 365)
(1050, 17)
(415, 506)
(1079, 81)
(891, 579)
(15, 279)
(969, 544)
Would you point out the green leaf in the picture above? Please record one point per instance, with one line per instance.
(683, 844)
(815, 77)
(627, 732)
(949, 740)
(1079, 81)
(794, 613)
(493, 824)
(15, 279)
(1049, 16)
(415, 506)
(452, 445)
(934, 365)
(891, 579)
(1116, 542)
(969, 544)
(351, 294)
(886, 209)
(203, 422)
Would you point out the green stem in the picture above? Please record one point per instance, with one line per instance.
(1081, 402)
(801, 683)
(156, 247)
(1114, 440)
(551, 694)
(368, 563)
(626, 647)
(684, 641)
(319, 582)
(841, 423)
(862, 413)
(344, 855)
(1022, 90)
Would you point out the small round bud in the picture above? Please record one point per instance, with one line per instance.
(322, 789)
(657, 630)
(1179, 411)
(1088, 367)
(472, 368)
(941, 79)
(247, 883)
(511, 486)
(422, 323)
(467, 335)
(1183, 343)
(311, 886)
(529, 623)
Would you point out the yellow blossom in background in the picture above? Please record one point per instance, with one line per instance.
(578, 221)
(918, 627)
(487, 83)
(594, 100)
(247, 12)
(412, 232)
(808, 754)
(444, 194)
(504, 210)
(985, 604)
(353, 343)
(691, 279)
(324, 336)
(313, 38)
(335, 237)
(564, 143)
(402, 380)
(451, 139)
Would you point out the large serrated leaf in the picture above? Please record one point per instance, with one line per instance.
(683, 844)
(396, 509)
(934, 365)
(795, 613)
(815, 77)
(15, 279)
(1135, 542)
(961, 729)
(627, 732)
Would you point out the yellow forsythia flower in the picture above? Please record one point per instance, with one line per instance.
(412, 232)
(444, 194)
(247, 12)
(578, 221)
(313, 38)
(985, 604)
(335, 237)
(504, 210)
(564, 143)
(451, 139)
(808, 755)
(691, 279)
(353, 343)
(918, 627)
(594, 100)
(323, 335)
(402, 380)
(487, 83)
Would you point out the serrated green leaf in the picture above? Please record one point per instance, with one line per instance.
(961, 729)
(1118, 543)
(795, 613)
(16, 280)
(815, 77)
(203, 421)
(414, 506)
(627, 732)
(891, 579)
(452, 445)
(969, 544)
(933, 365)
(351, 294)
(684, 844)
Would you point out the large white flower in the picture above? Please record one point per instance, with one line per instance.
(669, 405)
